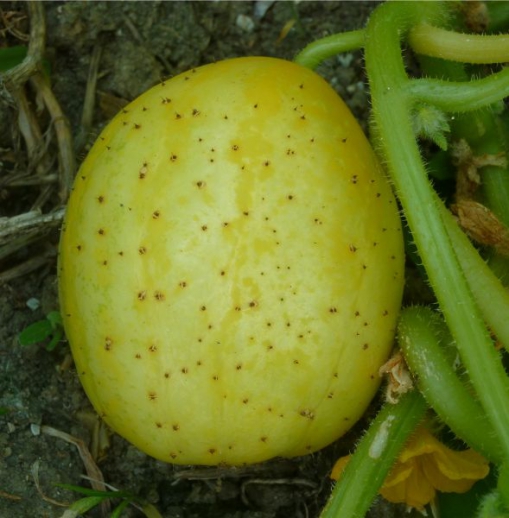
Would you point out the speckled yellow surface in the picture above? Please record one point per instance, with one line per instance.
(231, 266)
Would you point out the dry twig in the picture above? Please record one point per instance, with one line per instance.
(28, 227)
(18, 76)
(89, 103)
(63, 132)
(94, 473)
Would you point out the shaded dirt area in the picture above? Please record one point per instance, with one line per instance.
(140, 43)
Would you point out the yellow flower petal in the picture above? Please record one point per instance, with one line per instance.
(425, 466)
(400, 472)
(415, 491)
(421, 443)
(339, 467)
(455, 471)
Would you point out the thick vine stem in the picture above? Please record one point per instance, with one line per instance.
(392, 106)
(423, 337)
(324, 48)
(374, 457)
(457, 96)
(465, 48)
(491, 296)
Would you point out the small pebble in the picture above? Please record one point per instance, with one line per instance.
(261, 7)
(345, 60)
(245, 23)
(33, 303)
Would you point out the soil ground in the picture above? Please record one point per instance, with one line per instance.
(142, 43)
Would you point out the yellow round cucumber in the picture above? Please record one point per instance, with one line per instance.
(231, 266)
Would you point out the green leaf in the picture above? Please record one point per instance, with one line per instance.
(85, 504)
(431, 123)
(51, 327)
(11, 57)
(492, 507)
(118, 510)
(55, 319)
(150, 511)
(94, 492)
(36, 332)
(57, 336)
